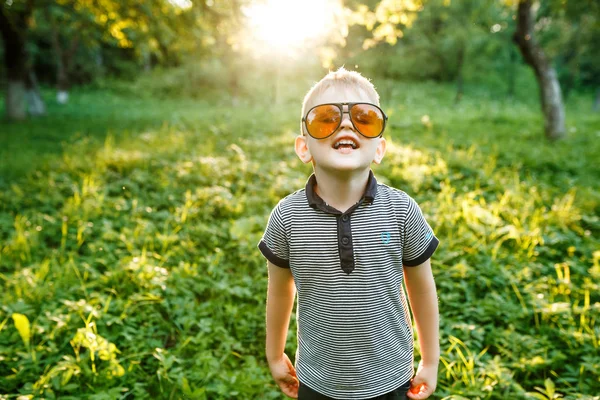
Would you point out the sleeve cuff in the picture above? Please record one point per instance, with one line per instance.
(433, 244)
(272, 257)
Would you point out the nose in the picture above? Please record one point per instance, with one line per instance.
(346, 123)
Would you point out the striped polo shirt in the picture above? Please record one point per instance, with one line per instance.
(355, 338)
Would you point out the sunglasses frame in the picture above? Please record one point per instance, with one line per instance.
(342, 112)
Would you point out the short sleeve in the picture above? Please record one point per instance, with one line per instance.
(274, 244)
(419, 241)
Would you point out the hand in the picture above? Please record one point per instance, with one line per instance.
(424, 383)
(284, 374)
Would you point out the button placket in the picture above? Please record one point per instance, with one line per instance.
(345, 243)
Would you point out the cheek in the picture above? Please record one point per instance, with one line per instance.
(317, 148)
(371, 148)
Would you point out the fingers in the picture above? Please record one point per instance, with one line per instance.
(293, 381)
(284, 373)
(292, 372)
(290, 378)
(290, 387)
(419, 391)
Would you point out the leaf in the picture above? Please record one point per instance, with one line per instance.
(3, 323)
(537, 395)
(549, 387)
(185, 386)
(22, 324)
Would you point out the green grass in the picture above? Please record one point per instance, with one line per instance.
(128, 231)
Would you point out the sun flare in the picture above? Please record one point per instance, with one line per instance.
(286, 24)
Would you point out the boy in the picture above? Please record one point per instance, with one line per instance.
(345, 243)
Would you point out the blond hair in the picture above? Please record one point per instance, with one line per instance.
(340, 78)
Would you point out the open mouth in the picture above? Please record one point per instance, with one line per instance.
(345, 144)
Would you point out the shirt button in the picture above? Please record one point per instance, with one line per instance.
(345, 218)
(345, 240)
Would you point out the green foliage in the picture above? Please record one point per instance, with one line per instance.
(439, 39)
(131, 248)
(472, 40)
(567, 31)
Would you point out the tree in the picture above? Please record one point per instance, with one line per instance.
(154, 26)
(390, 18)
(533, 54)
(14, 20)
(59, 21)
(573, 42)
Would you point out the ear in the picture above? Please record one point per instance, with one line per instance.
(380, 152)
(302, 150)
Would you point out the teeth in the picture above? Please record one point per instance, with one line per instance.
(345, 141)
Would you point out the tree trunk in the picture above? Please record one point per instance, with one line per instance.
(64, 60)
(35, 103)
(597, 101)
(62, 80)
(12, 27)
(550, 94)
(16, 106)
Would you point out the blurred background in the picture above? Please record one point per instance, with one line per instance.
(243, 47)
(144, 144)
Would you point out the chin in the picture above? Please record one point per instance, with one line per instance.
(345, 166)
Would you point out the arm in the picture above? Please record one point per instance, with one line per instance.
(280, 301)
(422, 295)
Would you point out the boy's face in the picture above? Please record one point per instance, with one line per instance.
(344, 159)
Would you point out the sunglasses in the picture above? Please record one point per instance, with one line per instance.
(323, 120)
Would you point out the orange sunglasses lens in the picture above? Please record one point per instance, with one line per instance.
(367, 119)
(323, 120)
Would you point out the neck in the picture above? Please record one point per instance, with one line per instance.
(341, 190)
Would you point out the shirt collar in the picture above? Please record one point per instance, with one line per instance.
(315, 200)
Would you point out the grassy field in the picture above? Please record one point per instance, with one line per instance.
(129, 225)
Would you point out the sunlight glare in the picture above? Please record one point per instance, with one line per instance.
(183, 4)
(284, 24)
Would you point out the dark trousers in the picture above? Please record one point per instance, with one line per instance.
(306, 393)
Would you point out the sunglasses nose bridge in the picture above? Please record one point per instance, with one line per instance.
(346, 119)
(346, 123)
